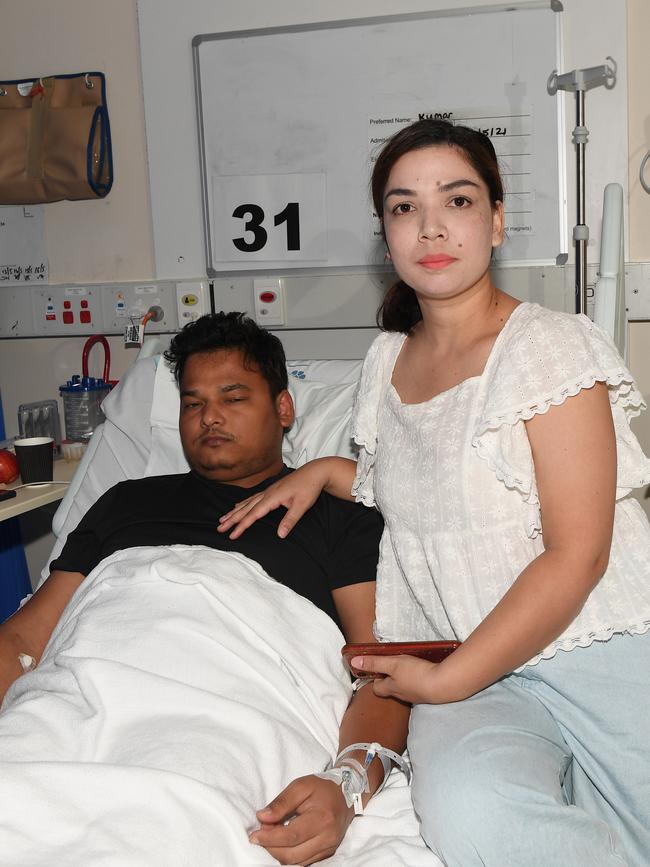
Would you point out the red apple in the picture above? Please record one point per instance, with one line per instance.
(8, 467)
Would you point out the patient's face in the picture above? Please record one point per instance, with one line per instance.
(231, 428)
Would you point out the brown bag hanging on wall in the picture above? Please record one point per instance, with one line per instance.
(55, 139)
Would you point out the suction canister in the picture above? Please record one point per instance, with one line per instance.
(82, 397)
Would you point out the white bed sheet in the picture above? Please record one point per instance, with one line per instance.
(237, 705)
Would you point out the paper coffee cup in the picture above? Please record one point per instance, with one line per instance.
(35, 457)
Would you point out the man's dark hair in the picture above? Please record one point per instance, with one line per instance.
(260, 349)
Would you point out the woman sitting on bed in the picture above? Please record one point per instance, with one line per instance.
(494, 438)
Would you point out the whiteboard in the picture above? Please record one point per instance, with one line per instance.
(289, 120)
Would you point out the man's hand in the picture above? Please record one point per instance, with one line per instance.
(316, 818)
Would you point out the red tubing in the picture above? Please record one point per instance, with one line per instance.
(88, 345)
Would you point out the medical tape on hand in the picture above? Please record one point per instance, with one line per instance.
(27, 662)
(352, 777)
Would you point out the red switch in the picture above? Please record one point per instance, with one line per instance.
(84, 303)
(267, 297)
(68, 317)
(84, 316)
(66, 305)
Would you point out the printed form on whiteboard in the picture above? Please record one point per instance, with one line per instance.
(511, 135)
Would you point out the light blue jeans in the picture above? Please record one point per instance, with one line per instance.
(546, 768)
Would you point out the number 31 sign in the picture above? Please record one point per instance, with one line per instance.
(269, 218)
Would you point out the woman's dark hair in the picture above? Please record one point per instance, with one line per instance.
(400, 310)
(261, 350)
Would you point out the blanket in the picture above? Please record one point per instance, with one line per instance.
(181, 690)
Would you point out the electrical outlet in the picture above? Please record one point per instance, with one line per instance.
(66, 310)
(61, 311)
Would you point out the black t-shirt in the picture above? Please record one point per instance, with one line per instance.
(335, 544)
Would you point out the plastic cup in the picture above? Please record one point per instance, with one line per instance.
(35, 459)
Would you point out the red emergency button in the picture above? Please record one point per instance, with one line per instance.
(84, 316)
(68, 317)
(267, 297)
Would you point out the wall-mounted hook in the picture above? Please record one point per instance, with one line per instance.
(644, 183)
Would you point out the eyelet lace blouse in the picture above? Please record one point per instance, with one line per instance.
(455, 481)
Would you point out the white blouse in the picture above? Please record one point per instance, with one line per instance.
(455, 481)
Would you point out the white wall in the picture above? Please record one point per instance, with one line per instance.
(639, 200)
(639, 127)
(108, 239)
(90, 241)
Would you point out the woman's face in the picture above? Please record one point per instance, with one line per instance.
(439, 222)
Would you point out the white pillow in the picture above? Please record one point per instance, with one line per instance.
(128, 406)
(322, 423)
(166, 455)
(332, 372)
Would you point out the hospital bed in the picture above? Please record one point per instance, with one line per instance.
(139, 438)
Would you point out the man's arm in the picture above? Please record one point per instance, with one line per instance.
(319, 816)
(29, 629)
(368, 717)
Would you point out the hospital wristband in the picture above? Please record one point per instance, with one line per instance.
(352, 775)
(360, 682)
(385, 756)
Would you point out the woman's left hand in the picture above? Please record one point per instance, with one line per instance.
(408, 678)
(316, 817)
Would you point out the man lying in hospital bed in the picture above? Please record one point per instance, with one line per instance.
(169, 706)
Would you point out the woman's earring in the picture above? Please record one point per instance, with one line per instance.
(387, 257)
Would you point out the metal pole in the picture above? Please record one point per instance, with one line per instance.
(578, 81)
(580, 230)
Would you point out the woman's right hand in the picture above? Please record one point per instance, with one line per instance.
(297, 492)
